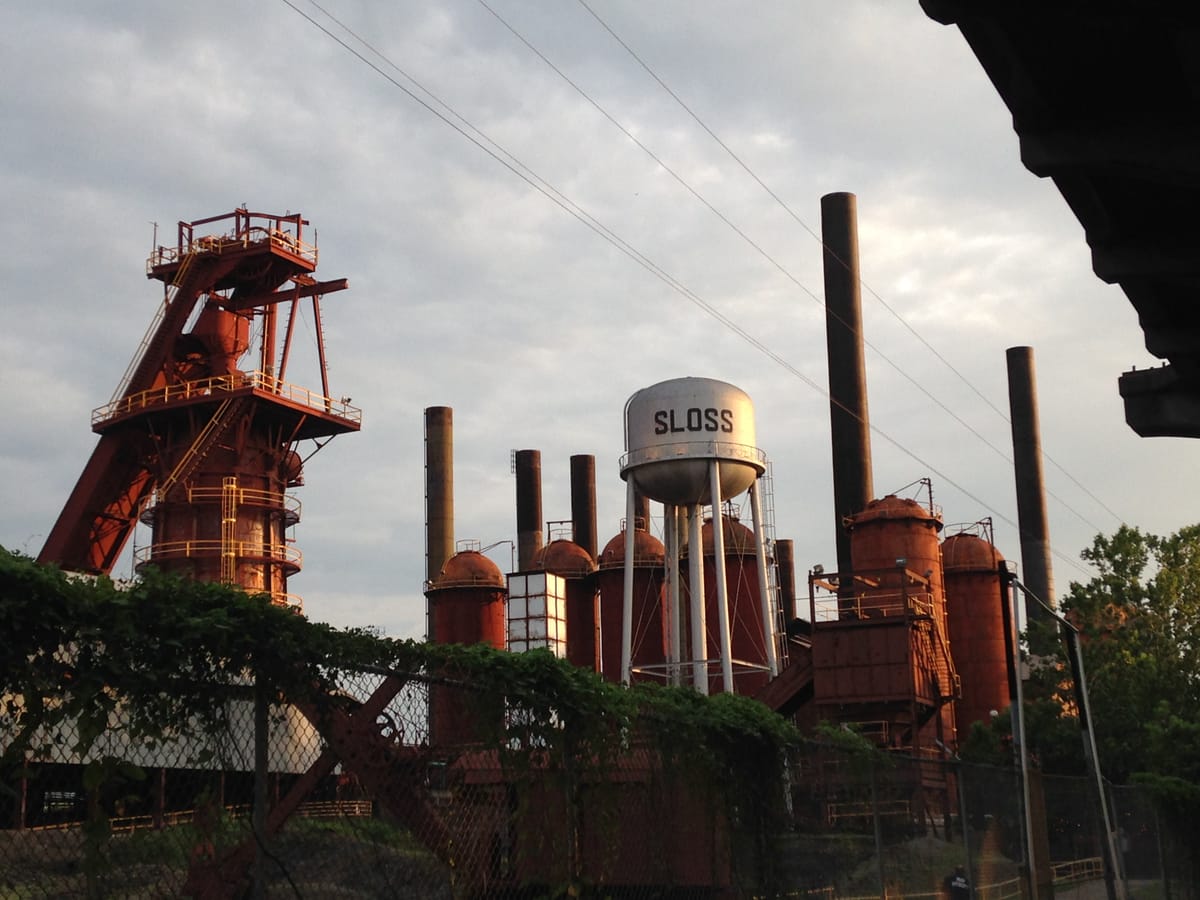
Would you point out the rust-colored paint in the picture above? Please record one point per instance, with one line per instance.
(467, 605)
(884, 660)
(186, 420)
(976, 626)
(574, 564)
(747, 640)
(583, 501)
(650, 639)
(190, 520)
(439, 488)
(892, 529)
(529, 507)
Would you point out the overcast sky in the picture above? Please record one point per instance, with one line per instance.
(469, 288)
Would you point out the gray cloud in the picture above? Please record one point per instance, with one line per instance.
(471, 289)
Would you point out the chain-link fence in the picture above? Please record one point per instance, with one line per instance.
(407, 785)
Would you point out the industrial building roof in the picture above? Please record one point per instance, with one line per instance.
(1105, 99)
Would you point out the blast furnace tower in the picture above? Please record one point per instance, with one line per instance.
(201, 449)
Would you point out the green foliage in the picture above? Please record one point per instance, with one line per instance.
(848, 739)
(164, 657)
(988, 745)
(1137, 622)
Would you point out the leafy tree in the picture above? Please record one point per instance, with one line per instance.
(1139, 621)
(1139, 629)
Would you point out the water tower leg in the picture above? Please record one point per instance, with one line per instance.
(764, 589)
(714, 475)
(678, 601)
(696, 589)
(627, 606)
(671, 531)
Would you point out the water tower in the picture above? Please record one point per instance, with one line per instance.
(690, 443)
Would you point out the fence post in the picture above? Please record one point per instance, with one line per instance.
(20, 806)
(1162, 856)
(258, 817)
(964, 824)
(878, 833)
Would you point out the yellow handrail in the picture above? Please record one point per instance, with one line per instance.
(211, 548)
(250, 497)
(224, 243)
(204, 387)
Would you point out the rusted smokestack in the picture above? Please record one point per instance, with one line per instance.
(529, 507)
(1037, 574)
(641, 511)
(785, 560)
(439, 489)
(849, 424)
(583, 501)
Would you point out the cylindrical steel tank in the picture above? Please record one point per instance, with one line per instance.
(228, 523)
(976, 625)
(747, 639)
(673, 431)
(466, 602)
(893, 534)
(649, 636)
(224, 335)
(576, 566)
(466, 606)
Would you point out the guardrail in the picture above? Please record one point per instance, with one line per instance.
(224, 384)
(1076, 870)
(225, 243)
(326, 809)
(213, 547)
(719, 450)
(289, 503)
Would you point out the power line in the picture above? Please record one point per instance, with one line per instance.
(783, 204)
(522, 171)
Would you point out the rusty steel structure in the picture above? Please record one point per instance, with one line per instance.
(577, 568)
(850, 429)
(466, 605)
(971, 564)
(439, 489)
(1031, 486)
(527, 466)
(583, 502)
(202, 450)
(747, 635)
(650, 635)
(881, 649)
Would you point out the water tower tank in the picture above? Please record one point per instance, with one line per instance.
(674, 429)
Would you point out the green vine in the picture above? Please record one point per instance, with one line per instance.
(162, 658)
(167, 651)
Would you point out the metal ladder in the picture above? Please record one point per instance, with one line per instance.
(222, 419)
(767, 488)
(155, 323)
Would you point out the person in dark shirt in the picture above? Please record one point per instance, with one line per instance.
(956, 886)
